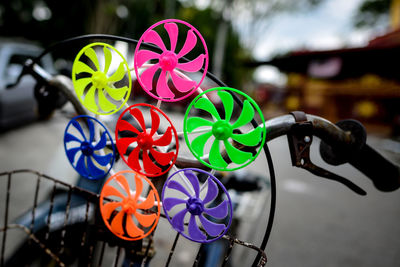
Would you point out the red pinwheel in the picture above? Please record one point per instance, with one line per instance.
(126, 213)
(170, 61)
(142, 148)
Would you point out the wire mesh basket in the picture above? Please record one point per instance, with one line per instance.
(61, 225)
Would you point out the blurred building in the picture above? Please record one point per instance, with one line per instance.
(361, 83)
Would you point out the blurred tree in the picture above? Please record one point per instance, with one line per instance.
(373, 14)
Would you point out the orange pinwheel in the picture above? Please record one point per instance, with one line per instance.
(127, 213)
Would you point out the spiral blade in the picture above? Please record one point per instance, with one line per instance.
(215, 157)
(162, 158)
(177, 186)
(153, 37)
(206, 105)
(79, 128)
(89, 100)
(93, 169)
(148, 203)
(237, 156)
(211, 228)
(102, 143)
(171, 202)
(144, 219)
(91, 130)
(177, 220)
(196, 122)
(116, 224)
(148, 164)
(182, 84)
(190, 43)
(103, 160)
(219, 211)
(81, 166)
(72, 152)
(193, 180)
(172, 30)
(194, 231)
(71, 138)
(117, 93)
(131, 228)
(133, 159)
(212, 191)
(104, 103)
(246, 116)
(109, 190)
(145, 55)
(123, 125)
(81, 84)
(107, 59)
(165, 139)
(147, 76)
(109, 207)
(138, 187)
(155, 122)
(162, 88)
(82, 67)
(251, 138)
(227, 101)
(138, 115)
(91, 54)
(192, 66)
(119, 73)
(124, 143)
(123, 183)
(199, 143)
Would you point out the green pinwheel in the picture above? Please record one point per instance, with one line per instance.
(100, 89)
(222, 132)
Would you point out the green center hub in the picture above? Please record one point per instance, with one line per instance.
(222, 130)
(99, 79)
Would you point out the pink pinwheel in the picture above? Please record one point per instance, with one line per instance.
(169, 62)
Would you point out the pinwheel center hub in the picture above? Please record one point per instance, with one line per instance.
(195, 206)
(222, 130)
(129, 206)
(145, 141)
(86, 148)
(99, 79)
(168, 61)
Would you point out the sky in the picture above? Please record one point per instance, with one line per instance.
(327, 27)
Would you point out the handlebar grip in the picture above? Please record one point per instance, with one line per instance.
(383, 173)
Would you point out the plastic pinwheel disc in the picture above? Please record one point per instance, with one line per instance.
(101, 78)
(126, 210)
(189, 206)
(167, 62)
(89, 157)
(222, 134)
(140, 143)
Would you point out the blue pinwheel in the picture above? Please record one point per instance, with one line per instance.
(83, 152)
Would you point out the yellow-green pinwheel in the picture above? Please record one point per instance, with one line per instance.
(101, 78)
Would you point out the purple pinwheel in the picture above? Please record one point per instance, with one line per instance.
(169, 61)
(214, 216)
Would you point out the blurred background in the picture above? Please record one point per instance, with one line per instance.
(332, 58)
(329, 58)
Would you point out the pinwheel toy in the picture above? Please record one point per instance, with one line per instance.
(146, 142)
(208, 207)
(127, 213)
(101, 89)
(224, 136)
(168, 60)
(87, 156)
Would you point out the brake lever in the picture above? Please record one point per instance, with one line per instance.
(300, 139)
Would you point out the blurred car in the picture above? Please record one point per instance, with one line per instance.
(17, 103)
